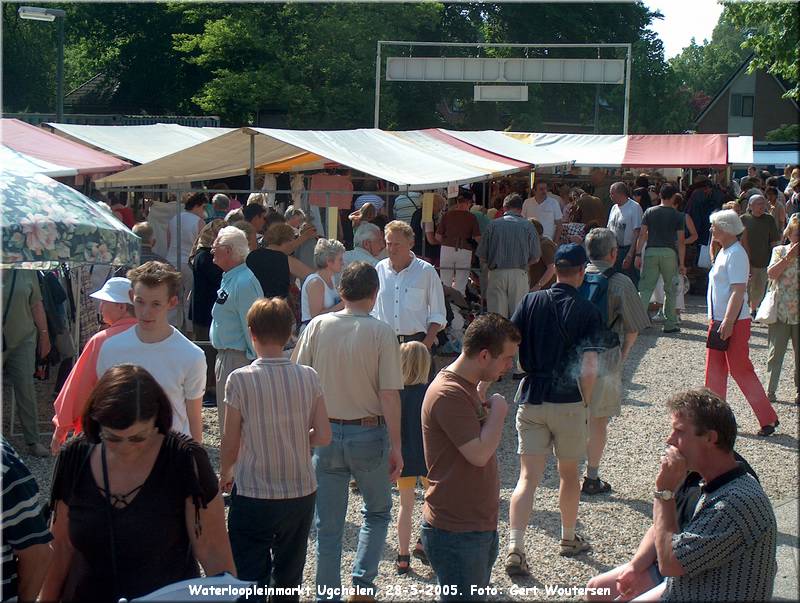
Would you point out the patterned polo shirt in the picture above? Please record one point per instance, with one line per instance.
(277, 400)
(727, 550)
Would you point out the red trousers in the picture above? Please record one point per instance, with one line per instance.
(736, 361)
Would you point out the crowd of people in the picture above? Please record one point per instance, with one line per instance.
(322, 370)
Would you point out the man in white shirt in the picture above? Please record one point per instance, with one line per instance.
(178, 365)
(545, 208)
(625, 221)
(411, 297)
(368, 245)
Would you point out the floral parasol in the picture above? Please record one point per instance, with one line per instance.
(45, 223)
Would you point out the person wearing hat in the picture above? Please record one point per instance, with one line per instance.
(728, 314)
(117, 312)
(558, 352)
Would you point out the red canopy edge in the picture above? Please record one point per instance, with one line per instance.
(676, 150)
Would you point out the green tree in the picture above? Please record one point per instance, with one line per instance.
(773, 34)
(787, 132)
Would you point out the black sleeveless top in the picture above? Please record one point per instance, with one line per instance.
(272, 271)
(152, 545)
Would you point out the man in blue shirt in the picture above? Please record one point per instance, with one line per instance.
(239, 289)
(559, 354)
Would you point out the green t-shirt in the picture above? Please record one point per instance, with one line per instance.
(761, 233)
(663, 225)
(19, 325)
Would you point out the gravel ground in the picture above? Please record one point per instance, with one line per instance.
(614, 523)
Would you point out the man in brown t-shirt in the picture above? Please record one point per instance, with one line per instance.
(456, 232)
(542, 274)
(461, 430)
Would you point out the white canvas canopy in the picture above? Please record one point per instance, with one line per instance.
(386, 155)
(140, 144)
(508, 146)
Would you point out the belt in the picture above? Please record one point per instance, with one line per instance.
(363, 422)
(413, 337)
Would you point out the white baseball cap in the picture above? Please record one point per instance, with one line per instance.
(114, 290)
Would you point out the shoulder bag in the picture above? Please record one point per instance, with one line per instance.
(713, 340)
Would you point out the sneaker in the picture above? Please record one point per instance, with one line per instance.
(772, 398)
(516, 564)
(672, 330)
(659, 317)
(768, 430)
(38, 450)
(594, 486)
(576, 546)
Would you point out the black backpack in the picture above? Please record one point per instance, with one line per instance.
(595, 289)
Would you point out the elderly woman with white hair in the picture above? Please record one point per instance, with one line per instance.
(319, 295)
(237, 292)
(728, 349)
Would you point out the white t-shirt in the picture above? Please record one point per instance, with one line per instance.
(178, 365)
(731, 267)
(191, 224)
(624, 220)
(547, 212)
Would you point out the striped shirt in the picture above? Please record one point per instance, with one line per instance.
(23, 522)
(510, 242)
(727, 550)
(277, 400)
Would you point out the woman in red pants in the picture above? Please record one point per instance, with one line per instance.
(727, 304)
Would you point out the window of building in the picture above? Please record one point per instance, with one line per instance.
(742, 105)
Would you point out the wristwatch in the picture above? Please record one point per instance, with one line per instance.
(664, 494)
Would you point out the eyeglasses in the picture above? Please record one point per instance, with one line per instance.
(134, 439)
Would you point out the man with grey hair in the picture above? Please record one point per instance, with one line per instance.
(624, 317)
(220, 206)
(239, 289)
(625, 221)
(368, 245)
(761, 235)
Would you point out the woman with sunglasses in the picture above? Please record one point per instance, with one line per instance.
(135, 505)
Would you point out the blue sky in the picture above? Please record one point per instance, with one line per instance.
(684, 19)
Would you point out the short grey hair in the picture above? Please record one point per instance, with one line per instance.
(755, 199)
(221, 202)
(618, 187)
(365, 232)
(230, 235)
(293, 212)
(727, 220)
(600, 242)
(326, 250)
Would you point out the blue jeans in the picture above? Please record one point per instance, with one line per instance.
(362, 452)
(461, 560)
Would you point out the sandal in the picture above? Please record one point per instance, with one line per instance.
(595, 486)
(419, 553)
(400, 568)
(516, 564)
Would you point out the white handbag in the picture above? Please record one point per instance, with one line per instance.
(767, 312)
(704, 257)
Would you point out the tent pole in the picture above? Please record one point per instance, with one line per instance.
(252, 162)
(377, 85)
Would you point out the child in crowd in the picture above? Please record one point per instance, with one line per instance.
(416, 362)
(274, 413)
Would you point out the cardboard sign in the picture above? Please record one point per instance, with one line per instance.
(427, 207)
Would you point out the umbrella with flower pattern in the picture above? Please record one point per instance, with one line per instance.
(45, 223)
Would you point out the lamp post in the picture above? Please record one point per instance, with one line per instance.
(36, 13)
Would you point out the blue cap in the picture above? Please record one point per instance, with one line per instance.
(570, 255)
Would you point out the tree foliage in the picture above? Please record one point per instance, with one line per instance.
(773, 34)
(787, 132)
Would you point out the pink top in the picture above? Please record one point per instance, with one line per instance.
(81, 381)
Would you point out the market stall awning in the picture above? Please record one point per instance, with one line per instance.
(140, 144)
(635, 150)
(416, 161)
(740, 150)
(507, 146)
(13, 161)
(45, 146)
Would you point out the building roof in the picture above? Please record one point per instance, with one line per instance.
(730, 81)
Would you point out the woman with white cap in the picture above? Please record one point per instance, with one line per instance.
(116, 308)
(728, 349)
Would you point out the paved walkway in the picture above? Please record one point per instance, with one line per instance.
(786, 586)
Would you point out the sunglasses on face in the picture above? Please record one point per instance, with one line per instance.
(134, 439)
